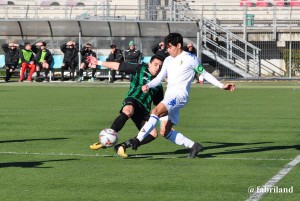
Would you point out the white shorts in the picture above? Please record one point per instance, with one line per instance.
(173, 105)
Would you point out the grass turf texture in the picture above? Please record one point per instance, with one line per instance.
(46, 130)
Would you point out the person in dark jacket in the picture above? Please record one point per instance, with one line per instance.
(27, 60)
(117, 56)
(85, 52)
(160, 49)
(190, 48)
(70, 50)
(43, 59)
(11, 58)
(132, 55)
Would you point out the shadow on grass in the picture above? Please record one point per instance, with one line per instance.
(34, 164)
(28, 140)
(249, 150)
(164, 155)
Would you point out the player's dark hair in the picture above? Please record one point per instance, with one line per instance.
(156, 57)
(89, 44)
(26, 43)
(174, 39)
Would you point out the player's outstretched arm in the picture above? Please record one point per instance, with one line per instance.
(229, 86)
(111, 64)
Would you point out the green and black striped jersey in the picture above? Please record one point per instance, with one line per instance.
(141, 77)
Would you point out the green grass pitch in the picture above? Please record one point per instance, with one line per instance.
(46, 129)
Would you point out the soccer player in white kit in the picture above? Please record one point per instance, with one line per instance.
(180, 68)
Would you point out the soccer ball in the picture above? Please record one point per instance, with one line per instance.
(108, 137)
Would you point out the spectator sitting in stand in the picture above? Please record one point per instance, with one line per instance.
(160, 50)
(85, 52)
(11, 58)
(132, 55)
(117, 56)
(27, 60)
(70, 50)
(43, 60)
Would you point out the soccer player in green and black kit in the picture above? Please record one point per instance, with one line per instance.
(137, 104)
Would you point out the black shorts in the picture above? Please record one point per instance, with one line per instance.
(140, 116)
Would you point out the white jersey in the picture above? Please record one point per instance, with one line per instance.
(180, 72)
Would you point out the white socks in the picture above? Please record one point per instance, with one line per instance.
(148, 127)
(173, 136)
(179, 139)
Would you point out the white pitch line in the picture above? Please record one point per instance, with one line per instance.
(139, 156)
(282, 173)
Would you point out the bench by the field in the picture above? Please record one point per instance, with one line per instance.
(102, 72)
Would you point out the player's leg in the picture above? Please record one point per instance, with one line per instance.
(46, 66)
(158, 111)
(38, 70)
(126, 112)
(139, 118)
(9, 70)
(32, 70)
(73, 66)
(176, 137)
(82, 67)
(112, 75)
(94, 70)
(62, 70)
(24, 66)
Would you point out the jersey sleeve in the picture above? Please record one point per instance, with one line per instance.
(129, 68)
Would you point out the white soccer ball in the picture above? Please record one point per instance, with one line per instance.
(108, 137)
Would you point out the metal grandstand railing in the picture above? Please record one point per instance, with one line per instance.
(224, 46)
(229, 49)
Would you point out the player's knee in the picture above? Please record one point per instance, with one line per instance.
(155, 112)
(127, 112)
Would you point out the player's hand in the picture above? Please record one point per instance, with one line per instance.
(145, 88)
(92, 60)
(229, 86)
